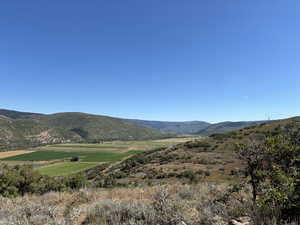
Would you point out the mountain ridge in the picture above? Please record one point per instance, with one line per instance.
(27, 129)
(194, 127)
(185, 127)
(227, 126)
(22, 129)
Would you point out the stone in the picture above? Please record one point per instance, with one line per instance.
(245, 220)
(182, 223)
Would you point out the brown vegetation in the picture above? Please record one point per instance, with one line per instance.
(163, 205)
(13, 153)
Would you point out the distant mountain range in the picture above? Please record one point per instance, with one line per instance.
(194, 127)
(228, 126)
(23, 129)
(189, 127)
(26, 129)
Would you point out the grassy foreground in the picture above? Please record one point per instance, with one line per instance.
(201, 204)
(119, 206)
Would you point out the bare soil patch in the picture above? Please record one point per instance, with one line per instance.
(13, 153)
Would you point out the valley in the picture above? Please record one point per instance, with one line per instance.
(150, 112)
(55, 160)
(189, 177)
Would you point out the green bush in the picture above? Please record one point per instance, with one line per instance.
(74, 159)
(197, 144)
(76, 181)
(274, 171)
(18, 180)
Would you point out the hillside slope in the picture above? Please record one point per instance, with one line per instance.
(194, 127)
(210, 159)
(94, 127)
(188, 127)
(16, 114)
(21, 130)
(227, 126)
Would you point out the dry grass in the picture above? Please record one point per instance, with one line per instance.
(119, 206)
(176, 140)
(202, 204)
(13, 153)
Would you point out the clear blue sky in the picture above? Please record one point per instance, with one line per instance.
(210, 60)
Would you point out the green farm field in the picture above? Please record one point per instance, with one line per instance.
(85, 156)
(118, 145)
(76, 146)
(57, 157)
(65, 168)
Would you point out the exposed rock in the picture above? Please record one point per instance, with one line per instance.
(182, 223)
(245, 220)
(234, 222)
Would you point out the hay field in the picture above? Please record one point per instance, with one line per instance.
(13, 153)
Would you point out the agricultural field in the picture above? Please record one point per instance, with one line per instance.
(84, 156)
(55, 160)
(121, 145)
(13, 153)
(65, 168)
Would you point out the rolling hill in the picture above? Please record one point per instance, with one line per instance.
(211, 158)
(21, 130)
(228, 126)
(26, 129)
(194, 127)
(16, 114)
(188, 127)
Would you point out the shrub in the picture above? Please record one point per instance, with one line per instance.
(163, 210)
(274, 171)
(74, 159)
(76, 181)
(220, 136)
(207, 173)
(18, 181)
(24, 180)
(118, 213)
(197, 144)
